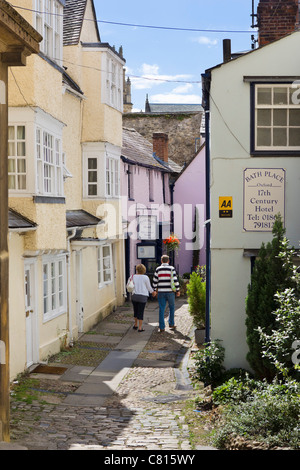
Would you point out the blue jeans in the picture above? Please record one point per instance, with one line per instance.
(163, 298)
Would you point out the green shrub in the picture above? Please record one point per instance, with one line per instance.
(196, 291)
(209, 363)
(270, 415)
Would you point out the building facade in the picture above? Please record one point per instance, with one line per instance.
(65, 137)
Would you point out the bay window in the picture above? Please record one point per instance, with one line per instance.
(49, 23)
(49, 164)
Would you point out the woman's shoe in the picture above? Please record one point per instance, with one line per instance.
(135, 327)
(141, 330)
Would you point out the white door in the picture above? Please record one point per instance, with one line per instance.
(79, 292)
(30, 314)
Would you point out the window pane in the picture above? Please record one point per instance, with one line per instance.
(11, 149)
(11, 165)
(280, 137)
(92, 190)
(264, 95)
(21, 149)
(280, 117)
(294, 117)
(92, 177)
(294, 137)
(11, 133)
(21, 165)
(21, 132)
(107, 276)
(22, 182)
(11, 182)
(264, 117)
(280, 95)
(106, 251)
(264, 137)
(92, 163)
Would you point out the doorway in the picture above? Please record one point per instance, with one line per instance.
(32, 356)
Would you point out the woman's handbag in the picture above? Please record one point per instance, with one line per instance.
(130, 285)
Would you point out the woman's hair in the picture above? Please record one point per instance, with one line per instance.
(140, 269)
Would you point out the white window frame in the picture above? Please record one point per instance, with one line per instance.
(101, 171)
(112, 177)
(289, 106)
(16, 155)
(113, 82)
(54, 273)
(49, 23)
(49, 163)
(105, 265)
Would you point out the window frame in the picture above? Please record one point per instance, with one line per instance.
(49, 163)
(275, 150)
(16, 158)
(53, 286)
(100, 265)
(49, 23)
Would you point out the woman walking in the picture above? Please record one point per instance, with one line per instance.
(142, 288)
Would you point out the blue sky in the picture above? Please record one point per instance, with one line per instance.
(165, 64)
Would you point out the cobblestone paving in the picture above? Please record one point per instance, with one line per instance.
(143, 413)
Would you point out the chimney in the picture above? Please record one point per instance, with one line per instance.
(276, 19)
(160, 145)
(226, 50)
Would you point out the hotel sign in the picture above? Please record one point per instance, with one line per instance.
(264, 190)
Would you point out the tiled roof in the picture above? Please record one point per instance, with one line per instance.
(74, 11)
(17, 221)
(139, 150)
(80, 218)
(175, 108)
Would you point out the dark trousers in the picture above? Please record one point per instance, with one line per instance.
(138, 309)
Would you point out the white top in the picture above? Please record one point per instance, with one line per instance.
(142, 284)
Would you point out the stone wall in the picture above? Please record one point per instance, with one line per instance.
(183, 131)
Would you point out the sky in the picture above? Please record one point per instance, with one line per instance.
(166, 64)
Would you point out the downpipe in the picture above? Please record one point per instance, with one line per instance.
(70, 320)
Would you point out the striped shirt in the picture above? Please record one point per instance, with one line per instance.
(162, 278)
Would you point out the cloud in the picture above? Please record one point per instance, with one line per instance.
(205, 41)
(149, 77)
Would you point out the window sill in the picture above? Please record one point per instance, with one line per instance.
(52, 315)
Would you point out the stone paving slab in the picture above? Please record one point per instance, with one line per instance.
(101, 339)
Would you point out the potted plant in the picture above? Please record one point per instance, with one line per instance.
(196, 293)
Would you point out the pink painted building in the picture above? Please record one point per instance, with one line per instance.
(189, 213)
(146, 186)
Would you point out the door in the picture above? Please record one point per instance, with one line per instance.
(79, 292)
(30, 313)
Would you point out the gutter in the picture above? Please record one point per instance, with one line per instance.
(69, 237)
(206, 82)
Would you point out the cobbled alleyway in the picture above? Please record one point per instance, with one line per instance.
(140, 406)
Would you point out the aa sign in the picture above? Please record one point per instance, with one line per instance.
(225, 207)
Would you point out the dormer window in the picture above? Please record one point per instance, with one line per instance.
(49, 23)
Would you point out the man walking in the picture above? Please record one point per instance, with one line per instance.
(164, 281)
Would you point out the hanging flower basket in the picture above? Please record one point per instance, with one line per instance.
(171, 243)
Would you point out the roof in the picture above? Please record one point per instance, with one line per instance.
(74, 12)
(158, 108)
(18, 222)
(139, 150)
(81, 218)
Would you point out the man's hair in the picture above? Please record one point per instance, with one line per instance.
(165, 259)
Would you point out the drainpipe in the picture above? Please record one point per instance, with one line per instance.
(69, 237)
(206, 80)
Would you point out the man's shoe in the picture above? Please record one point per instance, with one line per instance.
(173, 327)
(161, 331)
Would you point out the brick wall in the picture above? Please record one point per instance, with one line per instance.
(276, 19)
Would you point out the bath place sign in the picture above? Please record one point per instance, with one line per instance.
(264, 190)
